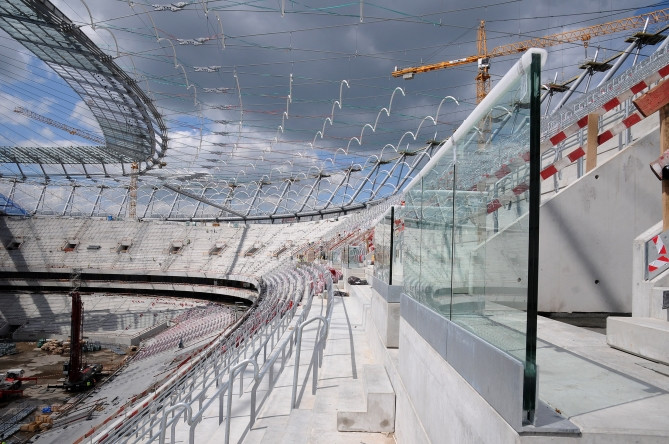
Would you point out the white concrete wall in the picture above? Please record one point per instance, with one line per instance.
(587, 233)
(588, 229)
(434, 404)
(450, 410)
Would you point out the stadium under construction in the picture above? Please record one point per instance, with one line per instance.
(262, 222)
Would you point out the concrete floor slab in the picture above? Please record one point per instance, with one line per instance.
(607, 393)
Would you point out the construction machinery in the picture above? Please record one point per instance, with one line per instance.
(10, 387)
(79, 376)
(11, 381)
(583, 35)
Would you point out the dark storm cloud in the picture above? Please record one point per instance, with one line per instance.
(317, 45)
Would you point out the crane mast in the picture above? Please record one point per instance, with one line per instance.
(483, 75)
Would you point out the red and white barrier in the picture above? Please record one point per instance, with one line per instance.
(579, 152)
(505, 198)
(608, 106)
(662, 258)
(570, 158)
(562, 135)
(619, 127)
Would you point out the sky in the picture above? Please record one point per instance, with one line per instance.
(265, 90)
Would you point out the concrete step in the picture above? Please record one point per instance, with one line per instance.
(255, 436)
(378, 413)
(295, 431)
(298, 428)
(646, 337)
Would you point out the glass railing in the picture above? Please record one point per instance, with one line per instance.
(389, 247)
(383, 232)
(336, 258)
(469, 242)
(353, 256)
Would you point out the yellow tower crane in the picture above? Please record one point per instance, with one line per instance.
(583, 34)
(84, 134)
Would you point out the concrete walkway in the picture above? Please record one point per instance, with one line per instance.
(611, 396)
(340, 385)
(606, 392)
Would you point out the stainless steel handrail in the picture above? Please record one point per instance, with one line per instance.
(192, 394)
(298, 346)
(241, 366)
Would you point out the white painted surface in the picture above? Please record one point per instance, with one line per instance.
(642, 289)
(647, 294)
(587, 231)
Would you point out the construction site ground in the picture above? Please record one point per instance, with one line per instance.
(131, 382)
(48, 369)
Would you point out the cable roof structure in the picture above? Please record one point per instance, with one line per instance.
(238, 111)
(132, 127)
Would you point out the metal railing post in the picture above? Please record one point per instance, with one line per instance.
(163, 421)
(298, 346)
(242, 365)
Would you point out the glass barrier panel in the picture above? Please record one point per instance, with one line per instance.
(467, 243)
(336, 258)
(356, 256)
(397, 247)
(412, 247)
(382, 239)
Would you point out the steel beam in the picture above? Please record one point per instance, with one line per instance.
(203, 200)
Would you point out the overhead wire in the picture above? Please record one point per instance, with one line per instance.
(173, 78)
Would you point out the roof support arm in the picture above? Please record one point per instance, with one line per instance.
(203, 200)
(362, 184)
(346, 176)
(283, 193)
(390, 173)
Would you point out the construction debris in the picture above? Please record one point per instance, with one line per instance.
(41, 422)
(58, 347)
(54, 346)
(8, 349)
(9, 422)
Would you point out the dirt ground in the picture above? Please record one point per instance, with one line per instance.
(48, 369)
